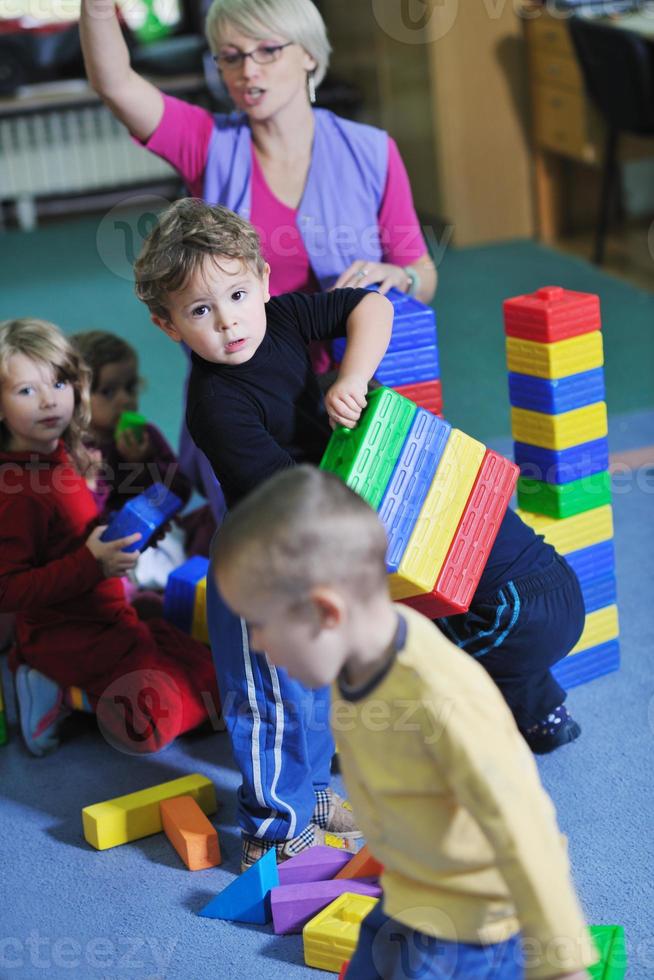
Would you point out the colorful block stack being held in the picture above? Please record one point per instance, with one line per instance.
(559, 423)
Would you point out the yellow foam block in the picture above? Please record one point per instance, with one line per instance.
(439, 517)
(560, 431)
(557, 360)
(600, 626)
(568, 534)
(137, 815)
(331, 937)
(199, 625)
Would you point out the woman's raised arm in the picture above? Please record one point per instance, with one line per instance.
(136, 102)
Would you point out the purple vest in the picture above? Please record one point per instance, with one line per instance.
(338, 213)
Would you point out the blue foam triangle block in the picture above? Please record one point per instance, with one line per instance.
(247, 899)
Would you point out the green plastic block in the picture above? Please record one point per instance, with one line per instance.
(364, 457)
(132, 421)
(3, 728)
(564, 499)
(613, 954)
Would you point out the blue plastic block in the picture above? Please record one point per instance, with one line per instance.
(247, 898)
(408, 367)
(562, 465)
(594, 562)
(414, 326)
(145, 513)
(599, 592)
(554, 397)
(587, 665)
(179, 596)
(410, 482)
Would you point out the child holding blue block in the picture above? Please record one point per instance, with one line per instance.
(443, 785)
(254, 407)
(78, 641)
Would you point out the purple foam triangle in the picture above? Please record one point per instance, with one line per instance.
(294, 905)
(315, 864)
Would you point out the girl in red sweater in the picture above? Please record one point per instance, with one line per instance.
(147, 682)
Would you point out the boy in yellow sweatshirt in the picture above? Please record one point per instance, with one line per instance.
(443, 785)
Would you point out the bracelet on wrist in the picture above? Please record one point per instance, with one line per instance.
(413, 280)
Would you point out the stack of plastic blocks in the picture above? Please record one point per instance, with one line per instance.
(440, 495)
(559, 422)
(410, 364)
(185, 598)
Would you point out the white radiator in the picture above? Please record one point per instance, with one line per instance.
(71, 151)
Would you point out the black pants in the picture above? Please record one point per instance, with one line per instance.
(519, 633)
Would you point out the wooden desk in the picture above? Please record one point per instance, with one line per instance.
(565, 124)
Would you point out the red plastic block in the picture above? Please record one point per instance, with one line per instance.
(190, 833)
(426, 394)
(295, 905)
(551, 313)
(315, 864)
(362, 865)
(473, 540)
(343, 972)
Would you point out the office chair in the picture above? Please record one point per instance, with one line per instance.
(618, 69)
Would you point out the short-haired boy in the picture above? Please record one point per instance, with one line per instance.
(444, 786)
(254, 407)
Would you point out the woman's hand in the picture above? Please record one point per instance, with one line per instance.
(362, 273)
(345, 401)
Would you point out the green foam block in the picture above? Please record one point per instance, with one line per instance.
(610, 944)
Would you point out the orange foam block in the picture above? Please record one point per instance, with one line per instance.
(190, 833)
(362, 865)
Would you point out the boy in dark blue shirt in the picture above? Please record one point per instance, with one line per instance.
(254, 407)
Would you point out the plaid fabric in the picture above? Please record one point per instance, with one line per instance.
(321, 811)
(253, 848)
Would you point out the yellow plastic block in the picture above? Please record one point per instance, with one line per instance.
(557, 360)
(137, 815)
(568, 534)
(331, 937)
(600, 626)
(439, 517)
(560, 431)
(199, 625)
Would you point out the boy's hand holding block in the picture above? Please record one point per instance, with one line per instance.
(440, 495)
(146, 513)
(190, 833)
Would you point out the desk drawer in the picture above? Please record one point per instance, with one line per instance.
(552, 68)
(561, 123)
(550, 34)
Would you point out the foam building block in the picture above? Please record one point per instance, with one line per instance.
(145, 513)
(179, 595)
(364, 457)
(318, 863)
(426, 394)
(128, 818)
(199, 624)
(131, 422)
(294, 905)
(557, 395)
(559, 422)
(189, 831)
(362, 865)
(247, 898)
(550, 314)
(440, 495)
(331, 937)
(610, 943)
(341, 975)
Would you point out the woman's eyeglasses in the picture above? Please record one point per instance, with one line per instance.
(265, 54)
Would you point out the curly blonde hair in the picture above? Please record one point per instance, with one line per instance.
(44, 343)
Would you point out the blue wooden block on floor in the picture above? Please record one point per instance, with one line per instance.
(247, 899)
(587, 665)
(145, 513)
(556, 396)
(562, 465)
(179, 595)
(410, 482)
